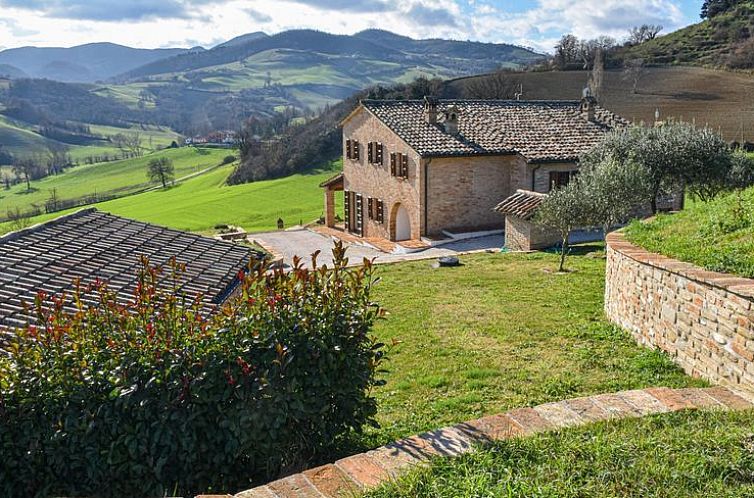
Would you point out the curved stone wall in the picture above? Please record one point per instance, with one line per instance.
(703, 319)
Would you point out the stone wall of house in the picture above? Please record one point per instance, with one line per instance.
(524, 235)
(372, 180)
(462, 191)
(703, 319)
(536, 177)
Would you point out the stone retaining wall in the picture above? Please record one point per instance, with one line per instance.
(703, 319)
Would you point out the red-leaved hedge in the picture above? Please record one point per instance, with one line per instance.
(150, 398)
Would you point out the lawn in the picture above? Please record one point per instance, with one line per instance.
(689, 454)
(500, 332)
(22, 139)
(116, 177)
(717, 235)
(201, 203)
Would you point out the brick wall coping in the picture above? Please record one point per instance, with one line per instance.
(358, 473)
(743, 287)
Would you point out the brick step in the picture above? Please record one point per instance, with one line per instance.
(358, 473)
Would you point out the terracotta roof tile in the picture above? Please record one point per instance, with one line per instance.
(522, 204)
(93, 245)
(538, 130)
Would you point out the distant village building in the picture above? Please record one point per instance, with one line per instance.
(415, 169)
(225, 139)
(90, 245)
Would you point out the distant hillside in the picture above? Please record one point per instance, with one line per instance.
(240, 40)
(723, 100)
(343, 51)
(253, 75)
(8, 71)
(84, 63)
(726, 40)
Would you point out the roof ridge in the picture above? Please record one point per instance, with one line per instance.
(484, 101)
(44, 224)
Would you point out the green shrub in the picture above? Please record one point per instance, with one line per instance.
(228, 159)
(148, 398)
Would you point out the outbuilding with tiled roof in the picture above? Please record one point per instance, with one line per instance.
(90, 245)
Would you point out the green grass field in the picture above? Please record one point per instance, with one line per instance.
(21, 139)
(119, 177)
(501, 331)
(201, 203)
(717, 235)
(690, 454)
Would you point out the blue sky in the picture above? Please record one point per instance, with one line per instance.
(160, 23)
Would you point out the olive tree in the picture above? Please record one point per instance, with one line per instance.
(613, 191)
(562, 211)
(674, 155)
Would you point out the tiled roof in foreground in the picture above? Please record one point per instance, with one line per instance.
(90, 245)
(541, 131)
(523, 204)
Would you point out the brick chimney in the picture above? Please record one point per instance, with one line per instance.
(450, 121)
(588, 104)
(430, 109)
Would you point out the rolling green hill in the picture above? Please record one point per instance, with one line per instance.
(306, 68)
(106, 179)
(199, 91)
(203, 202)
(22, 139)
(726, 40)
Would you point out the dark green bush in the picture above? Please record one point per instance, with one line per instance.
(149, 398)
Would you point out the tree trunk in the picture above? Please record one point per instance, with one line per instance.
(563, 252)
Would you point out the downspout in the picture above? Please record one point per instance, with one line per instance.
(534, 177)
(426, 196)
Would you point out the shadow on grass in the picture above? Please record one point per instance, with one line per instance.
(28, 191)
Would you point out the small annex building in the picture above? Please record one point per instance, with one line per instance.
(521, 233)
(423, 168)
(90, 245)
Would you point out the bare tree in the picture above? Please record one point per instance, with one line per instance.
(18, 219)
(57, 158)
(26, 168)
(133, 143)
(640, 34)
(588, 49)
(567, 51)
(499, 85)
(161, 170)
(633, 71)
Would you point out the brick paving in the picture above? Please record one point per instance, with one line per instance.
(357, 473)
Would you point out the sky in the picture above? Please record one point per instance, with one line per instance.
(188, 23)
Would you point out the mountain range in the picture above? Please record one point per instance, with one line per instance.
(83, 64)
(256, 74)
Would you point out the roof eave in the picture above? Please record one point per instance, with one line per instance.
(352, 114)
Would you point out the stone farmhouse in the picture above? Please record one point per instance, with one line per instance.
(90, 245)
(416, 169)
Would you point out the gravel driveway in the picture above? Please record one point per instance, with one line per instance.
(304, 242)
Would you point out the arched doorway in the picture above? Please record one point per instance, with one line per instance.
(400, 223)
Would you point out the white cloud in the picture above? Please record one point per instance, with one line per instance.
(543, 25)
(207, 21)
